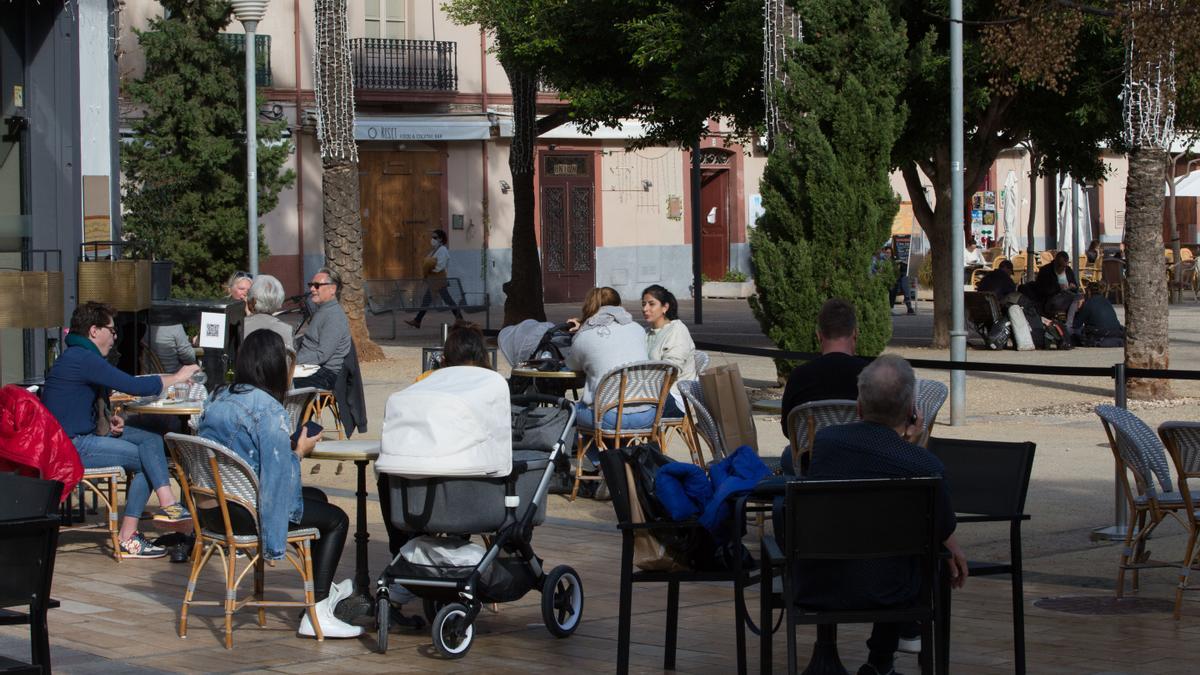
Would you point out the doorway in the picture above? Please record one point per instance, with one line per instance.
(401, 196)
(568, 243)
(714, 223)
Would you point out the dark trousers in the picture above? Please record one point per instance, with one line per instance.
(426, 301)
(881, 646)
(324, 378)
(396, 536)
(329, 520)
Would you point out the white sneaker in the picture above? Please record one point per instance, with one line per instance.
(907, 645)
(331, 626)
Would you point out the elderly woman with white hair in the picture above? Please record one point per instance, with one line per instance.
(264, 298)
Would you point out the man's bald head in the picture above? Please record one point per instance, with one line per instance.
(886, 388)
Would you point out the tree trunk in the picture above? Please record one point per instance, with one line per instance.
(1035, 161)
(523, 292)
(343, 249)
(334, 92)
(943, 276)
(1146, 338)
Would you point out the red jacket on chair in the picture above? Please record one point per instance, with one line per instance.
(32, 443)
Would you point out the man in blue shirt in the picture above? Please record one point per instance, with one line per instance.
(880, 446)
(81, 379)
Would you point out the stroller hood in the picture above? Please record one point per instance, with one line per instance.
(456, 422)
(518, 342)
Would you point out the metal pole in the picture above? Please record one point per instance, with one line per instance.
(698, 311)
(1116, 532)
(958, 335)
(251, 150)
(1075, 229)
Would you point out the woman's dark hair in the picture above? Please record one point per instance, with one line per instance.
(441, 235)
(262, 363)
(665, 297)
(464, 346)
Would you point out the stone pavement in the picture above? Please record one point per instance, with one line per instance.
(123, 616)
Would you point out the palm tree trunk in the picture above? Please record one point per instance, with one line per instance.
(339, 179)
(1146, 338)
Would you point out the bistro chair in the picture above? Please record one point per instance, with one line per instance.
(702, 361)
(875, 519)
(1151, 496)
(704, 426)
(103, 483)
(633, 384)
(297, 403)
(323, 400)
(28, 545)
(805, 420)
(1112, 279)
(1182, 440)
(988, 481)
(216, 476)
(930, 397)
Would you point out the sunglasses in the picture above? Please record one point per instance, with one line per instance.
(242, 275)
(318, 284)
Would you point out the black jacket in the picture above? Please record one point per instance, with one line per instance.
(1045, 286)
(348, 391)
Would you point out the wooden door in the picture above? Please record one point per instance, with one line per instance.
(567, 199)
(401, 198)
(714, 224)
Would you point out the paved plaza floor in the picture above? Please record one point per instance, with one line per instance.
(123, 617)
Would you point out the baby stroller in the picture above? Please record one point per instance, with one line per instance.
(452, 473)
(539, 345)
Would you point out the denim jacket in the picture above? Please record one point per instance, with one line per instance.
(254, 425)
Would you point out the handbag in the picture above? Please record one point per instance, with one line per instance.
(725, 396)
(536, 427)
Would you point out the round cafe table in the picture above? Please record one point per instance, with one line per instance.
(534, 375)
(182, 408)
(361, 452)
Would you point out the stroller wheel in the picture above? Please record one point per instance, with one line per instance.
(452, 631)
(562, 601)
(383, 615)
(431, 607)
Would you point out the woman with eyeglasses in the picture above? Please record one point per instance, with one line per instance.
(238, 286)
(433, 268)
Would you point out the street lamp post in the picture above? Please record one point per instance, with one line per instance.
(250, 12)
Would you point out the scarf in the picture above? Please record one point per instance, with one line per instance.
(76, 340)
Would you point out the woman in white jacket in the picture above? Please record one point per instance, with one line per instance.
(668, 339)
(606, 337)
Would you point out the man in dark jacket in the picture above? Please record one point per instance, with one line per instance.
(880, 446)
(998, 282)
(1096, 323)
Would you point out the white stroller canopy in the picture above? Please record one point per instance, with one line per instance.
(456, 422)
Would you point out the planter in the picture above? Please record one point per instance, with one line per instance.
(124, 284)
(727, 289)
(160, 279)
(31, 299)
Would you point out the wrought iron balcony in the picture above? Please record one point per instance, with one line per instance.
(262, 54)
(384, 64)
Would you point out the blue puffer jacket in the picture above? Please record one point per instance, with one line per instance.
(685, 492)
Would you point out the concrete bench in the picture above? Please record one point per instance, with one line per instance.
(389, 296)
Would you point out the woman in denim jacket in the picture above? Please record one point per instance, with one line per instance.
(248, 417)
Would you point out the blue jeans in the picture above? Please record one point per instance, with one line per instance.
(634, 417)
(137, 451)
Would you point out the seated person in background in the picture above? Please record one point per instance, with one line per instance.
(325, 342)
(1054, 278)
(464, 346)
(973, 256)
(833, 375)
(1096, 323)
(606, 337)
(171, 345)
(998, 282)
(1093, 251)
(880, 446)
(76, 393)
(238, 286)
(248, 418)
(668, 339)
(264, 299)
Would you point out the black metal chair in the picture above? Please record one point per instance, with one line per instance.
(28, 541)
(988, 481)
(631, 522)
(860, 520)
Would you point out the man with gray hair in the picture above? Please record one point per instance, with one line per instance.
(880, 446)
(263, 300)
(325, 342)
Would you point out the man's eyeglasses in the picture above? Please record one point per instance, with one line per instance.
(111, 329)
(318, 284)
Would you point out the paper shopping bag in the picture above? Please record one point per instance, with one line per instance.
(725, 396)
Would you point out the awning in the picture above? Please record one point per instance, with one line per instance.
(628, 130)
(1186, 186)
(471, 127)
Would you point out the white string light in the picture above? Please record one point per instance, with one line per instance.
(334, 82)
(1148, 94)
(781, 26)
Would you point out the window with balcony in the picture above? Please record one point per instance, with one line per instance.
(386, 19)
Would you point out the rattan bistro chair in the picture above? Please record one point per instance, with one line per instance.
(1182, 440)
(805, 420)
(931, 395)
(213, 473)
(103, 482)
(704, 426)
(1138, 451)
(296, 403)
(633, 384)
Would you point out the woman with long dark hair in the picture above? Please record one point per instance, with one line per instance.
(668, 339)
(248, 417)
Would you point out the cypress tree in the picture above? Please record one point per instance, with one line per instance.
(184, 180)
(827, 198)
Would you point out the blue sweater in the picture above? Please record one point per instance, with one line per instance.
(78, 378)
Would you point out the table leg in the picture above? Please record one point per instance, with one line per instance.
(362, 579)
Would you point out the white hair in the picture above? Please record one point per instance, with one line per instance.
(267, 294)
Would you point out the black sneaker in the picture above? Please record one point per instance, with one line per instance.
(136, 547)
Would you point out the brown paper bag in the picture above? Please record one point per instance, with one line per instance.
(725, 396)
(649, 553)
